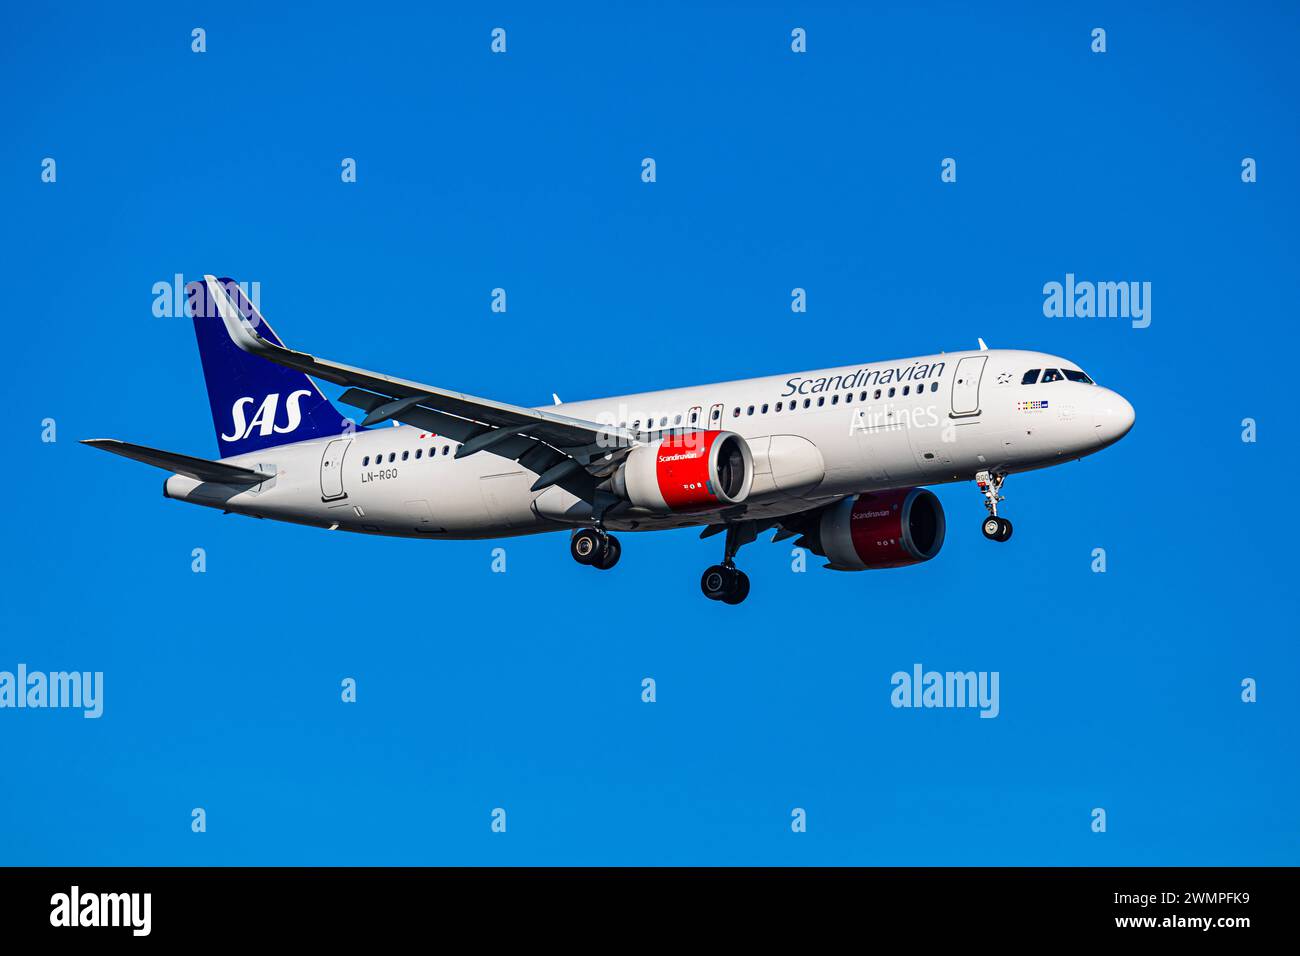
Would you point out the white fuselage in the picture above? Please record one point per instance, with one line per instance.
(815, 437)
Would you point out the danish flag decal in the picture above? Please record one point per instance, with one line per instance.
(255, 404)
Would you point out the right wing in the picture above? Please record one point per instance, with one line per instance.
(569, 452)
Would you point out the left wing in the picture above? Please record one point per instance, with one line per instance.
(200, 469)
(569, 452)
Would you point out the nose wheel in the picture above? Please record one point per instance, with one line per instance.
(990, 485)
(997, 529)
(594, 547)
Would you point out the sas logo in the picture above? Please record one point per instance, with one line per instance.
(1031, 406)
(264, 419)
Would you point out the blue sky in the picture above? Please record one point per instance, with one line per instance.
(774, 170)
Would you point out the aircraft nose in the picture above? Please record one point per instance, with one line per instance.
(1112, 415)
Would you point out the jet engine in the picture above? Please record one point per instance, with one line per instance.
(888, 529)
(687, 473)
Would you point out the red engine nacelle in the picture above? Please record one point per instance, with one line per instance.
(686, 473)
(888, 529)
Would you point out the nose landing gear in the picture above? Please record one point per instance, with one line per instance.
(990, 485)
(600, 549)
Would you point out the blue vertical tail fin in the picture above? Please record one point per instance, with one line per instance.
(255, 403)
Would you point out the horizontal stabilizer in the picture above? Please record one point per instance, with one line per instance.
(200, 469)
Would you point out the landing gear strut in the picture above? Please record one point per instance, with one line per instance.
(990, 485)
(595, 547)
(725, 582)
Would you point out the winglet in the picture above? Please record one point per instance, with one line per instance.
(239, 329)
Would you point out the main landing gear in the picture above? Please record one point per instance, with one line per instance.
(990, 485)
(725, 582)
(600, 549)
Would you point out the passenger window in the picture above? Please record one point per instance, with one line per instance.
(835, 399)
(663, 421)
(1030, 377)
(763, 410)
(778, 406)
(934, 386)
(821, 401)
(406, 455)
(877, 395)
(419, 453)
(862, 397)
(735, 412)
(392, 457)
(444, 449)
(891, 393)
(677, 420)
(906, 389)
(365, 461)
(807, 402)
(1050, 375)
(750, 410)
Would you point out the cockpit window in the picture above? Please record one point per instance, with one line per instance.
(1051, 375)
(1074, 375)
(1030, 377)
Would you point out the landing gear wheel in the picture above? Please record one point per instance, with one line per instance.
(740, 590)
(715, 581)
(586, 546)
(726, 584)
(608, 557)
(997, 529)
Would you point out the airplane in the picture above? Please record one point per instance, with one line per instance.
(836, 458)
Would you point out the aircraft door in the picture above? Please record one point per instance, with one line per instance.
(693, 417)
(966, 386)
(331, 469)
(715, 418)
